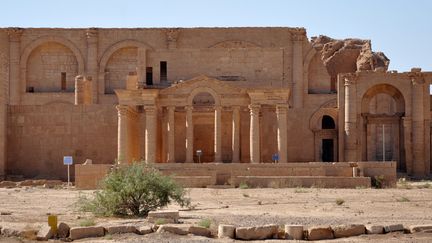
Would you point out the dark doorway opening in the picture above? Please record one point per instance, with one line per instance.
(163, 71)
(327, 150)
(149, 76)
(327, 122)
(63, 81)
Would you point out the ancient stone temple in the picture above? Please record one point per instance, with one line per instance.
(203, 95)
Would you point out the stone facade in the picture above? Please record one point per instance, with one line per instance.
(240, 95)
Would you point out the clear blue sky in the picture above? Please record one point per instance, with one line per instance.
(402, 29)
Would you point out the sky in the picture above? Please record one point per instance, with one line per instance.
(402, 29)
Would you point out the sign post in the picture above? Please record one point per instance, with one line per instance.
(68, 160)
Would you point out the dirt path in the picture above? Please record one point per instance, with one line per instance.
(28, 208)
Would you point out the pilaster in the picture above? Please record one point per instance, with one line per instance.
(15, 87)
(255, 139)
(92, 62)
(236, 134)
(189, 134)
(281, 113)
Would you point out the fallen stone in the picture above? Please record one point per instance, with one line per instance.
(29, 234)
(7, 184)
(166, 216)
(226, 231)
(9, 232)
(256, 233)
(121, 229)
(393, 228)
(201, 231)
(320, 233)
(44, 233)
(348, 230)
(374, 229)
(174, 229)
(420, 228)
(294, 232)
(86, 232)
(144, 230)
(63, 230)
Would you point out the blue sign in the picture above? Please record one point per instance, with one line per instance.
(275, 157)
(67, 160)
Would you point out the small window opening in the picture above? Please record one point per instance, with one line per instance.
(149, 76)
(328, 123)
(63, 81)
(163, 71)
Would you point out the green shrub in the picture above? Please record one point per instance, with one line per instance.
(378, 181)
(135, 190)
(243, 185)
(205, 223)
(87, 222)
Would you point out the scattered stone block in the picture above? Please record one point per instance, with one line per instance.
(393, 228)
(121, 229)
(420, 228)
(374, 229)
(63, 230)
(29, 234)
(256, 233)
(320, 233)
(9, 232)
(226, 231)
(86, 232)
(174, 229)
(171, 217)
(294, 232)
(348, 230)
(201, 231)
(44, 233)
(144, 230)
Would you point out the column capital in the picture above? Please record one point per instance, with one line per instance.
(92, 33)
(254, 109)
(298, 34)
(235, 107)
(14, 33)
(188, 108)
(281, 108)
(350, 78)
(170, 108)
(125, 110)
(416, 78)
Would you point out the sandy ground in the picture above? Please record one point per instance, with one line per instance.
(29, 207)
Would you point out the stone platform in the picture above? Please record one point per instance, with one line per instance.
(317, 174)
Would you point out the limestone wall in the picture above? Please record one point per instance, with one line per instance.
(4, 96)
(39, 137)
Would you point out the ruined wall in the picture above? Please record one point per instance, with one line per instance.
(39, 137)
(4, 96)
(118, 67)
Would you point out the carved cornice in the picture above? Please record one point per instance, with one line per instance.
(92, 34)
(416, 78)
(350, 78)
(298, 34)
(14, 33)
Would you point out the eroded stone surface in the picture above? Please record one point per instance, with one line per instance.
(348, 230)
(226, 231)
(257, 232)
(121, 229)
(320, 233)
(294, 232)
(174, 229)
(201, 231)
(374, 229)
(86, 232)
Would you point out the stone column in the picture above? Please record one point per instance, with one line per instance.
(171, 134)
(4, 100)
(150, 133)
(281, 113)
(255, 155)
(122, 137)
(92, 61)
(236, 134)
(297, 69)
(141, 67)
(218, 134)
(418, 125)
(189, 135)
(16, 87)
(407, 125)
(350, 119)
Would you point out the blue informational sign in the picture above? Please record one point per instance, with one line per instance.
(275, 157)
(67, 160)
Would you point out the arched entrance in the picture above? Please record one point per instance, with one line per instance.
(328, 144)
(204, 126)
(324, 126)
(383, 107)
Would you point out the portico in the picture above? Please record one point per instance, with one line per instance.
(200, 114)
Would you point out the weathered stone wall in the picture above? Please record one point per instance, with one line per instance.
(119, 65)
(4, 97)
(39, 137)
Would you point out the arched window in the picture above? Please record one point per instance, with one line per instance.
(327, 122)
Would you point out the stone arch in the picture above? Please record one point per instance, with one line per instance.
(217, 101)
(103, 62)
(43, 40)
(388, 89)
(316, 118)
(235, 44)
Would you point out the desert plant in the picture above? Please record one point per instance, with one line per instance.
(135, 189)
(160, 221)
(402, 199)
(205, 223)
(300, 190)
(378, 181)
(87, 222)
(340, 201)
(243, 185)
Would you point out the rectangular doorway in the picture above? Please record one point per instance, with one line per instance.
(327, 150)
